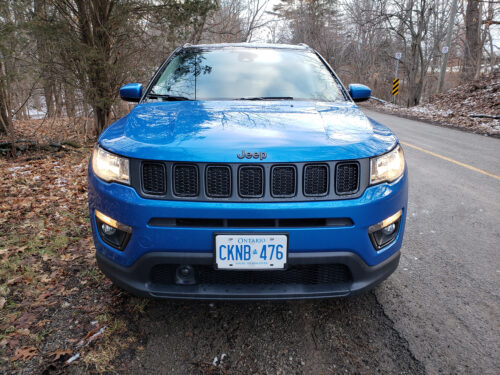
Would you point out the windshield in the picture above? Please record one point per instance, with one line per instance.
(246, 73)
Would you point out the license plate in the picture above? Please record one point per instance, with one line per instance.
(251, 251)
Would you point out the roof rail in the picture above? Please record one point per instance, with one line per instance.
(303, 45)
(186, 45)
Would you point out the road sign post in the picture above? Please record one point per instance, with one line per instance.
(395, 82)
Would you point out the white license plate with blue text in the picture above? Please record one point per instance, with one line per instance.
(251, 251)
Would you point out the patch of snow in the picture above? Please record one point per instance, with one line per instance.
(61, 181)
(74, 358)
(35, 113)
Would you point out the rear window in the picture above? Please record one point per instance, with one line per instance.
(247, 73)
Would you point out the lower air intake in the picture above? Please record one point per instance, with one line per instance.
(314, 274)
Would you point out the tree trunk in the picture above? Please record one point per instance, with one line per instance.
(473, 47)
(6, 126)
(413, 91)
(58, 100)
(5, 119)
(69, 101)
(48, 91)
(44, 58)
(94, 35)
(101, 118)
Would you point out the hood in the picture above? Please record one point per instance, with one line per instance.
(218, 131)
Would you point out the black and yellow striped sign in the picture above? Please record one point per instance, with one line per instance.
(395, 86)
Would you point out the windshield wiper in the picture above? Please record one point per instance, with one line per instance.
(167, 97)
(268, 98)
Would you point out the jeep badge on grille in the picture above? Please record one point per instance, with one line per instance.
(250, 155)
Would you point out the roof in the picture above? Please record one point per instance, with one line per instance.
(251, 45)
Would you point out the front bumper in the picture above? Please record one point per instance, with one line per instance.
(150, 245)
(136, 279)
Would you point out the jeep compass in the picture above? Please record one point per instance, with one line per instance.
(244, 172)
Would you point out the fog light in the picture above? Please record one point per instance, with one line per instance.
(108, 230)
(385, 232)
(111, 231)
(389, 229)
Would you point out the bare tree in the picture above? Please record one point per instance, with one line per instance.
(410, 22)
(253, 12)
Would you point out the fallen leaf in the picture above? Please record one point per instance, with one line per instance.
(14, 343)
(24, 353)
(15, 280)
(66, 257)
(21, 249)
(2, 302)
(20, 332)
(25, 320)
(44, 296)
(59, 353)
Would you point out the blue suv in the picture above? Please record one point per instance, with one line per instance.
(246, 171)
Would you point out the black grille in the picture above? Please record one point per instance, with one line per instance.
(218, 183)
(283, 181)
(186, 183)
(347, 178)
(153, 178)
(316, 180)
(315, 274)
(251, 182)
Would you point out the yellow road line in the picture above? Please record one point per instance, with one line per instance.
(451, 160)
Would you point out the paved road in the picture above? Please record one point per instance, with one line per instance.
(444, 300)
(439, 312)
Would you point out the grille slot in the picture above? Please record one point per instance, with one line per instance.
(316, 180)
(250, 223)
(186, 181)
(153, 178)
(251, 182)
(283, 181)
(314, 274)
(218, 181)
(347, 178)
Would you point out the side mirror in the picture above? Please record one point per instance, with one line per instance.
(131, 92)
(359, 92)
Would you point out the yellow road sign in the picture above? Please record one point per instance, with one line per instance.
(395, 86)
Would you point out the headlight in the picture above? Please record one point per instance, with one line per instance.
(110, 167)
(387, 167)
